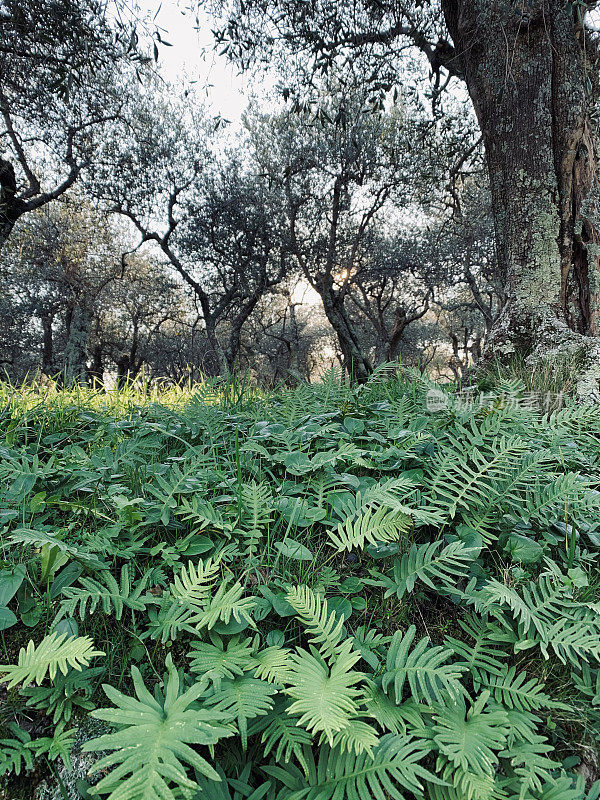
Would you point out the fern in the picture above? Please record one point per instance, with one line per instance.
(380, 525)
(242, 699)
(424, 563)
(113, 597)
(391, 716)
(530, 763)
(16, 753)
(512, 690)
(191, 587)
(55, 652)
(423, 669)
(483, 653)
(325, 696)
(68, 692)
(393, 770)
(152, 747)
(547, 616)
(461, 482)
(285, 738)
(272, 664)
(226, 604)
(471, 739)
(219, 660)
(357, 737)
(325, 628)
(257, 514)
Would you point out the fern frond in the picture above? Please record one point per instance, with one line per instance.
(16, 752)
(358, 737)
(55, 652)
(325, 697)
(219, 660)
(380, 525)
(471, 739)
(226, 603)
(513, 690)
(428, 563)
(531, 765)
(243, 699)
(272, 664)
(463, 480)
(257, 514)
(152, 747)
(192, 585)
(112, 597)
(391, 716)
(325, 628)
(285, 737)
(394, 771)
(482, 653)
(423, 669)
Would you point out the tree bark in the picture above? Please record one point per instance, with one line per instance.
(47, 345)
(524, 62)
(354, 362)
(76, 348)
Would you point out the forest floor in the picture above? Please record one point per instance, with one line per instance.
(320, 593)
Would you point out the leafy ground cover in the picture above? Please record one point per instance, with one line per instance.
(326, 593)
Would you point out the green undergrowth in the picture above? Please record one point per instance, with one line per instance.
(326, 593)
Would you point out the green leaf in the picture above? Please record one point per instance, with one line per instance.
(7, 618)
(55, 652)
(10, 580)
(293, 549)
(393, 771)
(153, 745)
(471, 739)
(242, 699)
(423, 669)
(325, 697)
(524, 549)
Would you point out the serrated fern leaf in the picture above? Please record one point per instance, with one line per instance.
(325, 696)
(105, 592)
(272, 664)
(257, 514)
(531, 765)
(471, 739)
(285, 738)
(192, 585)
(226, 603)
(513, 690)
(219, 660)
(393, 771)
(358, 737)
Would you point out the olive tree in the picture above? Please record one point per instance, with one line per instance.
(531, 71)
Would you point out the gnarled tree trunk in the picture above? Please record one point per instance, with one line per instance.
(525, 65)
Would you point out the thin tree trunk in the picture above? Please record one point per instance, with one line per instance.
(96, 371)
(76, 347)
(47, 346)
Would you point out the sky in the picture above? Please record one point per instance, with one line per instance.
(193, 58)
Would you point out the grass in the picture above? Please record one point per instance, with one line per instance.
(475, 527)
